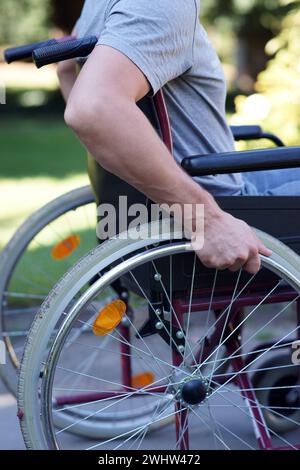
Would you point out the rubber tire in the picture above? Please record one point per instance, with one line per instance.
(57, 301)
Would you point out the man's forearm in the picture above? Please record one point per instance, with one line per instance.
(67, 74)
(66, 85)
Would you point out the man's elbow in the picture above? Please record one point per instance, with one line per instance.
(87, 116)
(93, 123)
(77, 116)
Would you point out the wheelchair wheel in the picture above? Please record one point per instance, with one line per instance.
(41, 250)
(276, 390)
(176, 357)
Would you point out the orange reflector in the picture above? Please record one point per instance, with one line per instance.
(65, 247)
(142, 380)
(109, 318)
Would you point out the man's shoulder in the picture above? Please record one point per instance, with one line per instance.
(176, 17)
(166, 8)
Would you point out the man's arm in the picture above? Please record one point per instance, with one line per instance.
(67, 74)
(102, 111)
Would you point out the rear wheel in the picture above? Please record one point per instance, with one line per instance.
(40, 252)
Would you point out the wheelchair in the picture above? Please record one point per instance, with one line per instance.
(47, 244)
(50, 241)
(139, 346)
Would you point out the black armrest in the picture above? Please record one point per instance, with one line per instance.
(236, 162)
(254, 133)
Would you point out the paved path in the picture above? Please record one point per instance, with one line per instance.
(10, 435)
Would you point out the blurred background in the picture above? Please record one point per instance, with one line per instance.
(259, 44)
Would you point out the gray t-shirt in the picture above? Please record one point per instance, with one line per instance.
(165, 39)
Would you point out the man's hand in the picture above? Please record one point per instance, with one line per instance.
(230, 243)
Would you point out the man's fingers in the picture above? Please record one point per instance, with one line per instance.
(263, 250)
(253, 265)
(236, 267)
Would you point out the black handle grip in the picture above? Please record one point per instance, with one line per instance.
(246, 132)
(64, 51)
(25, 52)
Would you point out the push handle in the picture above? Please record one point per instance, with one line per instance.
(14, 54)
(63, 51)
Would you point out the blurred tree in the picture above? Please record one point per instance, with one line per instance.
(23, 20)
(254, 23)
(30, 20)
(65, 13)
(276, 104)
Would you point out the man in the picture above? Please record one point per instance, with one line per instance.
(144, 46)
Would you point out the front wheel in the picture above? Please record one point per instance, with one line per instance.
(172, 357)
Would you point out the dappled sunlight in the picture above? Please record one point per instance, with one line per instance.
(38, 271)
(26, 195)
(26, 76)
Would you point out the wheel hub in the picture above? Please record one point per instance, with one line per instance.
(189, 388)
(194, 391)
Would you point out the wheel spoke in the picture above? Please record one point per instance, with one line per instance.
(250, 415)
(256, 331)
(221, 341)
(229, 431)
(238, 326)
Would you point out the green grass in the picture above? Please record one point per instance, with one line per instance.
(40, 159)
(39, 148)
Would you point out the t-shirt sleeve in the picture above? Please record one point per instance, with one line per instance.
(156, 36)
(77, 26)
